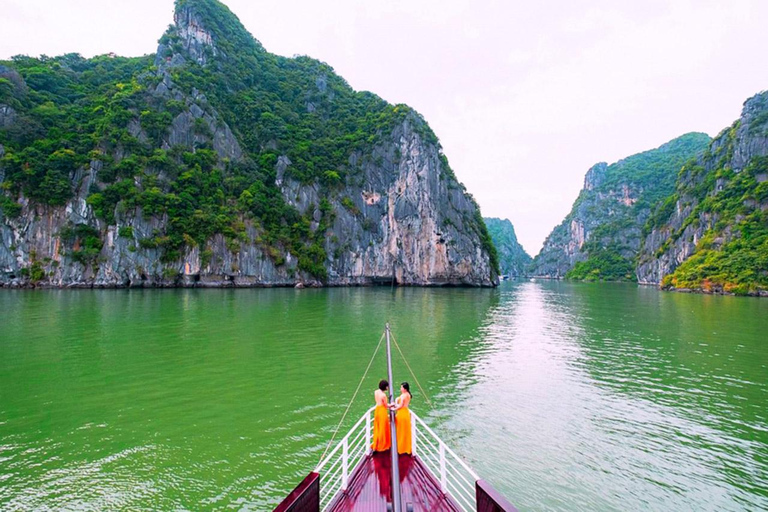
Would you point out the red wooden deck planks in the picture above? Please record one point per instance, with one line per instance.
(370, 487)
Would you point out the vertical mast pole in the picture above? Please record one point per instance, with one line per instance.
(396, 503)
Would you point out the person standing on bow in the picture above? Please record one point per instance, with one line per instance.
(382, 437)
(403, 419)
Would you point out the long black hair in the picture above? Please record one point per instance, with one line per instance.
(407, 388)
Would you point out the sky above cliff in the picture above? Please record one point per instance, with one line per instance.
(524, 98)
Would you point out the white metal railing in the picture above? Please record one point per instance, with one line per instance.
(344, 459)
(455, 478)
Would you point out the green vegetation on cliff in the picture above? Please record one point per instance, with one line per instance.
(731, 256)
(106, 114)
(64, 108)
(653, 173)
(644, 180)
(603, 265)
(600, 238)
(513, 260)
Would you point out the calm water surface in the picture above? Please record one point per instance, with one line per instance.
(564, 396)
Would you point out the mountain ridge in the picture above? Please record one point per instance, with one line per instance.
(600, 237)
(220, 164)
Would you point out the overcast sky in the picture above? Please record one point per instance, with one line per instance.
(524, 96)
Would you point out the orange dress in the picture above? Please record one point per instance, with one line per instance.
(382, 437)
(403, 426)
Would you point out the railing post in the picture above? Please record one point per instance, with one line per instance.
(443, 476)
(413, 434)
(345, 463)
(368, 439)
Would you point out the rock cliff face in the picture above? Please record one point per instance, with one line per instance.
(513, 259)
(711, 234)
(601, 236)
(224, 165)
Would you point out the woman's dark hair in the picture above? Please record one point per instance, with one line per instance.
(383, 385)
(407, 387)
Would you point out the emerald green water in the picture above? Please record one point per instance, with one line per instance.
(563, 396)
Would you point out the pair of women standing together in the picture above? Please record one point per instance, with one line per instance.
(382, 439)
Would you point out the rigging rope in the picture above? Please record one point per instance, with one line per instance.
(353, 399)
(412, 374)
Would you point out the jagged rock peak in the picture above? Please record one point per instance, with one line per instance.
(207, 29)
(751, 138)
(755, 105)
(196, 40)
(600, 237)
(330, 186)
(595, 176)
(707, 235)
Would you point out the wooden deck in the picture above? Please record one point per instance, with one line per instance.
(370, 487)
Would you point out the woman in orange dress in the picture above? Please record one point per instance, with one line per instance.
(382, 437)
(403, 419)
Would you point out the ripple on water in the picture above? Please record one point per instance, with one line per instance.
(565, 397)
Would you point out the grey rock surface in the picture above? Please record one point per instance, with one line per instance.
(666, 247)
(7, 116)
(401, 215)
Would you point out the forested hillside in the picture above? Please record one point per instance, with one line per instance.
(513, 259)
(215, 162)
(711, 234)
(601, 236)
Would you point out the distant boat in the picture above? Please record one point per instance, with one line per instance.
(353, 478)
